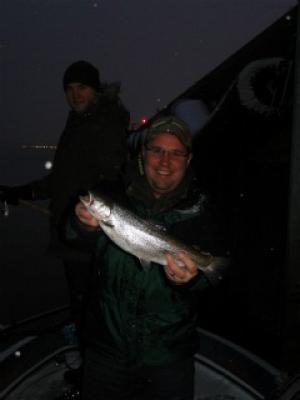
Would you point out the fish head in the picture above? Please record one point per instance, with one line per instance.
(96, 206)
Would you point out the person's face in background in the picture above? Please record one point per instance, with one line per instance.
(166, 160)
(79, 96)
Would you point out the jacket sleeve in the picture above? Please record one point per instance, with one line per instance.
(198, 283)
(80, 236)
(106, 151)
(113, 160)
(35, 190)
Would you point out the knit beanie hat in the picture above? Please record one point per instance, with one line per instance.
(82, 72)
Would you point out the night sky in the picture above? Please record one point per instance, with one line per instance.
(156, 48)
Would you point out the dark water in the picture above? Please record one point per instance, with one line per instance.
(31, 281)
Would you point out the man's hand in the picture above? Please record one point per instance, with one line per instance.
(183, 274)
(84, 216)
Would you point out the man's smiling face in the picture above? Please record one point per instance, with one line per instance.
(166, 160)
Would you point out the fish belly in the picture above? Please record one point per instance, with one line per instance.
(137, 241)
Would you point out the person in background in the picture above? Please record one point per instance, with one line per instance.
(141, 324)
(92, 147)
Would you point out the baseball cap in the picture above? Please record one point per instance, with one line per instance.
(170, 124)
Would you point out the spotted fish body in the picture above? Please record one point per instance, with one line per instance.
(143, 239)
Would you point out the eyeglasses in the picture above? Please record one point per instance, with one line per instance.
(159, 152)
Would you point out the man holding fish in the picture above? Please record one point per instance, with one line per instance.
(157, 247)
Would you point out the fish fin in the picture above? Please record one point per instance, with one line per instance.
(145, 264)
(86, 202)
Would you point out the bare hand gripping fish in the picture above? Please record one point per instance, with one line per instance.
(145, 240)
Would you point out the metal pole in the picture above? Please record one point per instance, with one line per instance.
(291, 317)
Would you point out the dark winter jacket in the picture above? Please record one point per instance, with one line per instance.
(139, 316)
(91, 148)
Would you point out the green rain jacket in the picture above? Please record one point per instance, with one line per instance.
(138, 316)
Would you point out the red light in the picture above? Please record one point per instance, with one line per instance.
(144, 120)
